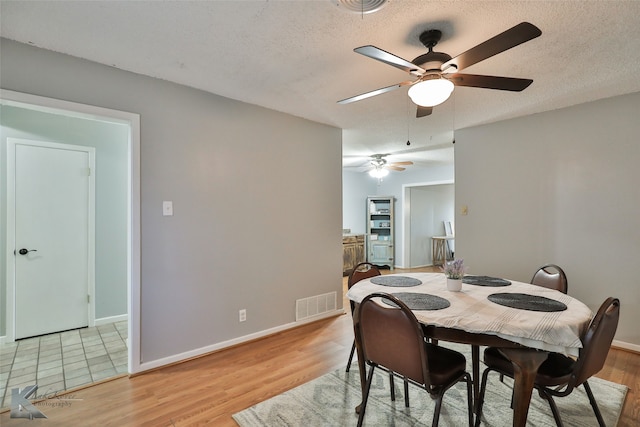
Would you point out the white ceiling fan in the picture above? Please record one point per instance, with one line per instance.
(379, 167)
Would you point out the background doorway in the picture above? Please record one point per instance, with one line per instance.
(426, 206)
(115, 136)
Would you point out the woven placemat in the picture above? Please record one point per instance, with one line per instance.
(485, 281)
(416, 301)
(527, 302)
(396, 281)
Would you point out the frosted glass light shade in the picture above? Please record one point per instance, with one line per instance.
(430, 93)
(378, 172)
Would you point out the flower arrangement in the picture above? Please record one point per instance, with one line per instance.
(454, 269)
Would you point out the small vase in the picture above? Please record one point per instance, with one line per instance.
(454, 285)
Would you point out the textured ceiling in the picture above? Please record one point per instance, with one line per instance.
(297, 57)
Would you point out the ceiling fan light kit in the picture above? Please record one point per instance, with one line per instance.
(429, 93)
(378, 172)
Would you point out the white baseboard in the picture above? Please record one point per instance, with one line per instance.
(626, 346)
(111, 319)
(145, 366)
(208, 349)
(413, 266)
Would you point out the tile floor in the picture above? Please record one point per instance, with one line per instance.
(63, 360)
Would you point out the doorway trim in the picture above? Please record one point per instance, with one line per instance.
(11, 299)
(39, 103)
(406, 216)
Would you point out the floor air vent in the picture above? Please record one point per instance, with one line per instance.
(314, 306)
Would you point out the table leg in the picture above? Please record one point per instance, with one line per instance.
(525, 366)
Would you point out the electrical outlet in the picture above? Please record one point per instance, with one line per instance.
(242, 315)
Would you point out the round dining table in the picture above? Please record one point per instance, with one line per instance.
(524, 321)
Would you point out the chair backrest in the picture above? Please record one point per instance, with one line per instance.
(597, 340)
(362, 271)
(391, 336)
(550, 276)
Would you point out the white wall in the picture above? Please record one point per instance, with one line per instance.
(356, 186)
(256, 193)
(429, 207)
(562, 187)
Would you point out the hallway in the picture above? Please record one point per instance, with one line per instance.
(64, 360)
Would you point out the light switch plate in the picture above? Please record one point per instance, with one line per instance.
(167, 208)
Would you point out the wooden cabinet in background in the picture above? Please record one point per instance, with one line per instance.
(352, 252)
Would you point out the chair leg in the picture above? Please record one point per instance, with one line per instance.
(353, 349)
(480, 402)
(594, 405)
(365, 397)
(436, 412)
(552, 404)
(392, 386)
(406, 393)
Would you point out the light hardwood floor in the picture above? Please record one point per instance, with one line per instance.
(208, 390)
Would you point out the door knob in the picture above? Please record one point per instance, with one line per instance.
(24, 251)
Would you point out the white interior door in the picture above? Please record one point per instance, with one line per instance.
(53, 218)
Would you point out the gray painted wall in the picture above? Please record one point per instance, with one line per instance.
(110, 141)
(562, 187)
(256, 193)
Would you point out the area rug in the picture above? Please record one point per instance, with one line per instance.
(331, 400)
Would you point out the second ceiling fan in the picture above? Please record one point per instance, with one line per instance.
(380, 167)
(437, 72)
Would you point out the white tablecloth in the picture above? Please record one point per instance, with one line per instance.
(471, 311)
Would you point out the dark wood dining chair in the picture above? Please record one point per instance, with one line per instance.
(550, 276)
(559, 375)
(392, 339)
(364, 270)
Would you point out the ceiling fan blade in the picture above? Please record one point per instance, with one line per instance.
(490, 82)
(423, 111)
(395, 168)
(401, 163)
(523, 32)
(374, 92)
(389, 58)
